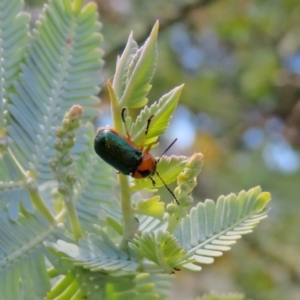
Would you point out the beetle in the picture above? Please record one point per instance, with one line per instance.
(120, 152)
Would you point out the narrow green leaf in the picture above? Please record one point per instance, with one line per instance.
(209, 216)
(122, 66)
(262, 200)
(219, 213)
(140, 73)
(162, 111)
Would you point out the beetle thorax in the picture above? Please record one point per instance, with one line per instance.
(147, 166)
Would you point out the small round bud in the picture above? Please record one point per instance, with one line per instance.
(172, 208)
(181, 179)
(71, 177)
(177, 191)
(66, 124)
(187, 200)
(63, 188)
(76, 111)
(58, 145)
(73, 124)
(185, 187)
(68, 143)
(70, 135)
(188, 173)
(67, 160)
(60, 132)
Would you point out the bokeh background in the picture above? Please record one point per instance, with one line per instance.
(240, 62)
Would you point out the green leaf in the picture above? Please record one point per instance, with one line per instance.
(215, 296)
(60, 70)
(210, 229)
(140, 73)
(84, 284)
(13, 39)
(168, 168)
(96, 253)
(95, 184)
(161, 248)
(22, 263)
(162, 112)
(151, 207)
(123, 62)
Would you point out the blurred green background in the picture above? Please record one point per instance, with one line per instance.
(240, 62)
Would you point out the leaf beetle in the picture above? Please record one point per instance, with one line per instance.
(120, 152)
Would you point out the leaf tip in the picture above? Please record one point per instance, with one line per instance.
(262, 200)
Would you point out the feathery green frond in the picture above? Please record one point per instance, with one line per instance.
(161, 248)
(168, 168)
(96, 253)
(9, 173)
(94, 186)
(162, 111)
(59, 71)
(13, 39)
(22, 265)
(140, 72)
(17, 198)
(144, 286)
(14, 194)
(210, 229)
(84, 284)
(215, 296)
(151, 224)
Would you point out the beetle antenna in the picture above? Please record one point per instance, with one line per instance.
(166, 150)
(168, 187)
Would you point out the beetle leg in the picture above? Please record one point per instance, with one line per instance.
(123, 119)
(145, 135)
(153, 181)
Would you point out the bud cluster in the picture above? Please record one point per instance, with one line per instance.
(186, 181)
(65, 141)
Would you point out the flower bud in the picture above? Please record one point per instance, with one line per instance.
(68, 142)
(60, 132)
(58, 145)
(63, 188)
(71, 177)
(67, 160)
(171, 208)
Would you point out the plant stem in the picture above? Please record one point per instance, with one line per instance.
(41, 206)
(69, 203)
(30, 184)
(130, 223)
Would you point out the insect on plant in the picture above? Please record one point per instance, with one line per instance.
(120, 152)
